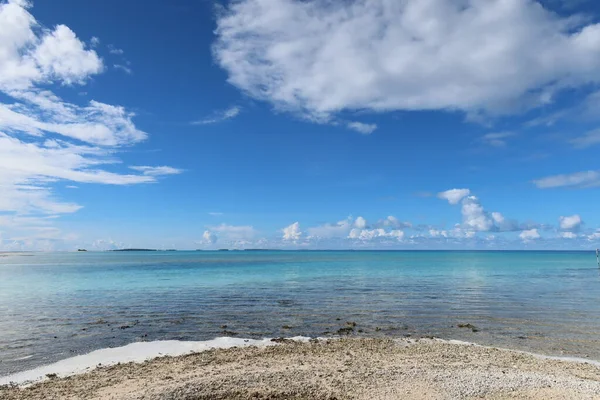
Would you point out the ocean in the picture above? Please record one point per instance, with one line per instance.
(54, 306)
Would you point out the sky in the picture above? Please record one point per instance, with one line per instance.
(299, 124)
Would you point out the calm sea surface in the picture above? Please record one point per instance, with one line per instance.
(57, 305)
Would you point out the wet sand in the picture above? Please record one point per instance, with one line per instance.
(332, 369)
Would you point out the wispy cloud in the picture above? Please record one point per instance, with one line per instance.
(123, 68)
(496, 139)
(360, 127)
(584, 179)
(234, 232)
(220, 116)
(113, 50)
(588, 139)
(156, 171)
(44, 139)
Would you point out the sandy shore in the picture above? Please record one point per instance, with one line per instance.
(335, 369)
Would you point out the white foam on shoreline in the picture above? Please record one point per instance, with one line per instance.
(134, 352)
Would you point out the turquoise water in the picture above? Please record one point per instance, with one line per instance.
(56, 305)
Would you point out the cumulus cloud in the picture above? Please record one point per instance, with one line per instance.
(581, 180)
(219, 116)
(528, 235)
(475, 218)
(209, 238)
(571, 223)
(328, 231)
(44, 139)
(360, 127)
(454, 196)
(438, 233)
(319, 58)
(594, 236)
(292, 232)
(568, 235)
(372, 234)
(360, 229)
(360, 223)
(458, 232)
(392, 222)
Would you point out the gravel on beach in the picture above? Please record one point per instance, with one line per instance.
(331, 369)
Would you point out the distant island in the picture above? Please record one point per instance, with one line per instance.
(134, 250)
(81, 250)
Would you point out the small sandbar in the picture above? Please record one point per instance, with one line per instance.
(330, 369)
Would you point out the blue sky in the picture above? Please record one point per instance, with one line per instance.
(443, 124)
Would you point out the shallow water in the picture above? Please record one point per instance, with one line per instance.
(57, 305)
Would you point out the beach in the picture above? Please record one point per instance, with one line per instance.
(331, 369)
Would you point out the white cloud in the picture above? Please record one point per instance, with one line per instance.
(209, 238)
(584, 179)
(528, 235)
(458, 232)
(28, 57)
(360, 223)
(454, 196)
(328, 231)
(156, 171)
(123, 68)
(365, 129)
(371, 234)
(392, 222)
(498, 218)
(568, 235)
(38, 112)
(113, 50)
(571, 223)
(474, 216)
(292, 232)
(94, 41)
(497, 139)
(438, 233)
(60, 54)
(233, 232)
(220, 116)
(319, 58)
(215, 214)
(44, 139)
(588, 139)
(594, 236)
(476, 219)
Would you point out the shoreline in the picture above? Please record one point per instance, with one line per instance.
(140, 352)
(343, 366)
